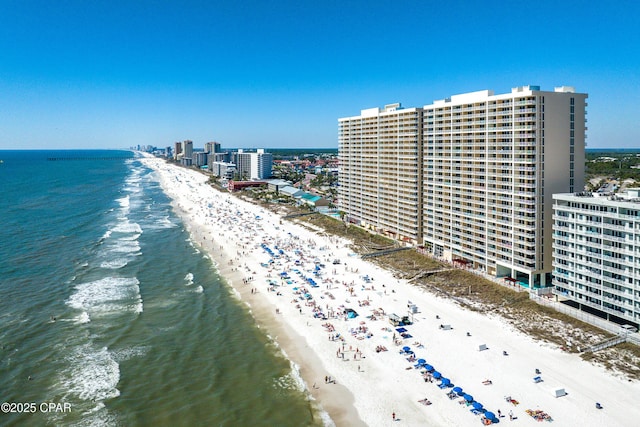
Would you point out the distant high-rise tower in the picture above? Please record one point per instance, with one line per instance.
(188, 149)
(212, 147)
(178, 150)
(254, 165)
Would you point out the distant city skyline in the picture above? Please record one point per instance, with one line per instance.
(279, 75)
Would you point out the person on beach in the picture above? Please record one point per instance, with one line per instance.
(393, 416)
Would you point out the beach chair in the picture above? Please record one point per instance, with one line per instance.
(537, 379)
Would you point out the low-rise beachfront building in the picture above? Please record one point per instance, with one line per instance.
(222, 169)
(313, 200)
(291, 191)
(596, 253)
(275, 185)
(469, 177)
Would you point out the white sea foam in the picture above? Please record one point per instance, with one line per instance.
(138, 307)
(132, 237)
(110, 294)
(92, 374)
(188, 279)
(129, 353)
(127, 227)
(199, 290)
(161, 224)
(114, 264)
(123, 201)
(125, 246)
(82, 318)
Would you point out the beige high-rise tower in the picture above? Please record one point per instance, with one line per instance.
(380, 174)
(486, 170)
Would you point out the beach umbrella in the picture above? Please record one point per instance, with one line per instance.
(468, 397)
(490, 415)
(437, 375)
(477, 405)
(405, 348)
(421, 361)
(445, 381)
(457, 390)
(428, 367)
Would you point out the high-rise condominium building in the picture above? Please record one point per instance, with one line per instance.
(253, 165)
(486, 168)
(596, 256)
(212, 147)
(188, 149)
(380, 170)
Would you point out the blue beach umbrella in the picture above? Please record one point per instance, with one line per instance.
(468, 397)
(491, 416)
(437, 375)
(457, 390)
(445, 381)
(421, 361)
(406, 348)
(428, 367)
(477, 405)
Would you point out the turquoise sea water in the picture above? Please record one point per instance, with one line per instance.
(110, 311)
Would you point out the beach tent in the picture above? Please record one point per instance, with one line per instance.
(351, 313)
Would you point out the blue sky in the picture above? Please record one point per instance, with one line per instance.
(109, 74)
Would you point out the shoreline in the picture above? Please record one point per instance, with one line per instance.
(374, 385)
(292, 344)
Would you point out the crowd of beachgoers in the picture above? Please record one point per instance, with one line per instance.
(340, 320)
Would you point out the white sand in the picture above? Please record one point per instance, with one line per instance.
(374, 385)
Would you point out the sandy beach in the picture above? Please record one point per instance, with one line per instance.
(329, 312)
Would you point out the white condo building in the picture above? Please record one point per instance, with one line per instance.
(486, 167)
(596, 251)
(253, 165)
(380, 175)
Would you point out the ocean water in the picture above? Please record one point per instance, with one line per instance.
(111, 316)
